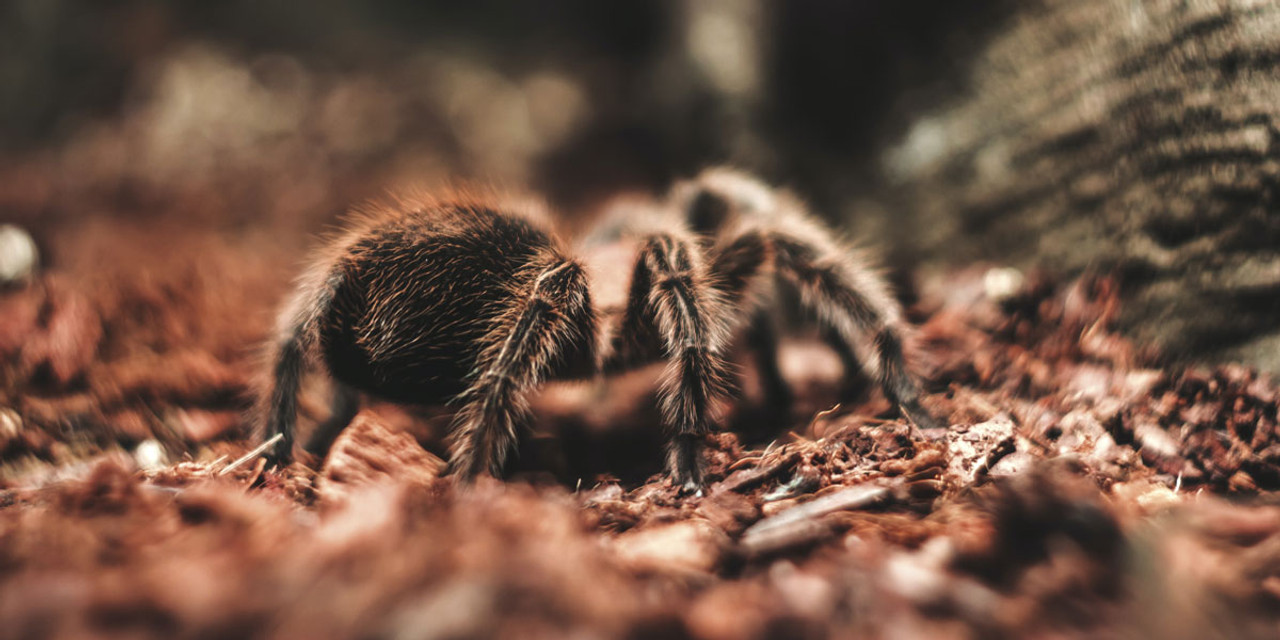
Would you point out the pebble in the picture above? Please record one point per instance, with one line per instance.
(150, 454)
(1002, 283)
(19, 257)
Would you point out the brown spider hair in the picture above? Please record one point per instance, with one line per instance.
(473, 301)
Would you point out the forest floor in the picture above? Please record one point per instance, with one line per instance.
(1083, 489)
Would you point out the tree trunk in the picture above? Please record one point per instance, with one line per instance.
(1135, 135)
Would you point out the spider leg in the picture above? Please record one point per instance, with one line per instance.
(671, 303)
(297, 338)
(735, 265)
(527, 344)
(855, 303)
(342, 409)
(762, 339)
(852, 303)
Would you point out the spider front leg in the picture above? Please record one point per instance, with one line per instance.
(528, 341)
(672, 303)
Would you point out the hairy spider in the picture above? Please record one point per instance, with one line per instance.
(474, 302)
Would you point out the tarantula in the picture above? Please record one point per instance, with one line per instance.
(474, 302)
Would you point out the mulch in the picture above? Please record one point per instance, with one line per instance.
(1085, 488)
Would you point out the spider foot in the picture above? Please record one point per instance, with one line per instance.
(467, 471)
(279, 455)
(685, 464)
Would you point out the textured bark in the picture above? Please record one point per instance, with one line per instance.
(1138, 135)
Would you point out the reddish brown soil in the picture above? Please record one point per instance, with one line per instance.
(1084, 490)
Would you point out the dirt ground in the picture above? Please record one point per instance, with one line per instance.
(1082, 490)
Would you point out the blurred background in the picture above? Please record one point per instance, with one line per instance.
(173, 159)
(568, 96)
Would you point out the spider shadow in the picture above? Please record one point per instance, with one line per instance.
(610, 431)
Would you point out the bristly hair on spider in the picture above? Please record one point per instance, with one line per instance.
(473, 301)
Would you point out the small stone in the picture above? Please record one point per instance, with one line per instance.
(1002, 283)
(150, 454)
(19, 257)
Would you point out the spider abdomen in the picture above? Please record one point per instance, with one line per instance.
(417, 298)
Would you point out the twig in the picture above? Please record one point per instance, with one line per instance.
(753, 477)
(257, 451)
(855, 497)
(804, 524)
(823, 414)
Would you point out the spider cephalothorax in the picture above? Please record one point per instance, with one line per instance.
(474, 302)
